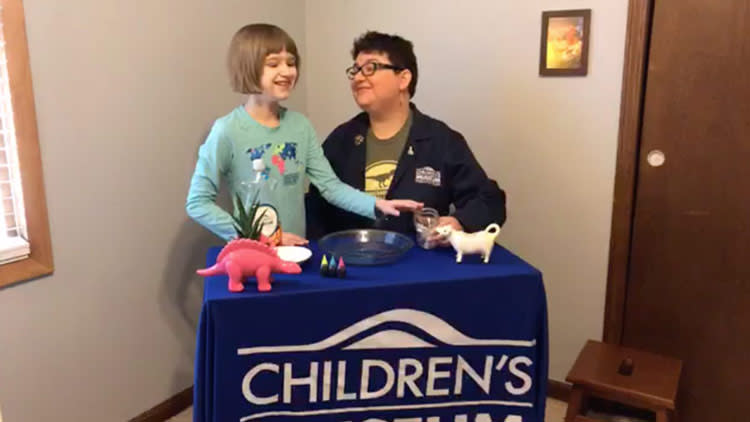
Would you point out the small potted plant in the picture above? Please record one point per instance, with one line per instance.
(246, 224)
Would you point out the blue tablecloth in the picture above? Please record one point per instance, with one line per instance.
(421, 340)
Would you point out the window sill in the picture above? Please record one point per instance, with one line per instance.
(24, 270)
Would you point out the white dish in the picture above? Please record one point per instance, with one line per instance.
(298, 254)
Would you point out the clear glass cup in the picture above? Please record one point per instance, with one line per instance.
(425, 223)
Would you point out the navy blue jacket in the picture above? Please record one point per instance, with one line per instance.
(431, 147)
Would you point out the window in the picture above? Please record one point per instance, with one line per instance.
(13, 234)
(25, 250)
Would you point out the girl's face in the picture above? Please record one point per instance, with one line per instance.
(279, 75)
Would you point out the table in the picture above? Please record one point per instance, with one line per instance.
(420, 340)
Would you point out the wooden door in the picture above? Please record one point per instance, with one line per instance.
(688, 289)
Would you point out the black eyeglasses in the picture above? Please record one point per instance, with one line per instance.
(369, 69)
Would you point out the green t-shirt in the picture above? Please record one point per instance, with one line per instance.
(382, 158)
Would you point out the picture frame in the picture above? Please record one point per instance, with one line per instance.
(565, 42)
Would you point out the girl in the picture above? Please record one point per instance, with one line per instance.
(264, 64)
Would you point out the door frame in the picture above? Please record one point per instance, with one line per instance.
(626, 172)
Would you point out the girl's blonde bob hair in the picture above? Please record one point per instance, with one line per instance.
(247, 54)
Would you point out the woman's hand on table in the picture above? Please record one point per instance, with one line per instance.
(291, 239)
(395, 206)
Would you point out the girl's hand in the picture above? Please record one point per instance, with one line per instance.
(291, 239)
(395, 206)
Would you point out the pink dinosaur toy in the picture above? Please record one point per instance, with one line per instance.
(242, 258)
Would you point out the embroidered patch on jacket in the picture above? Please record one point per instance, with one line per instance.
(427, 176)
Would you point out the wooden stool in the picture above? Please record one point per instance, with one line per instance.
(627, 376)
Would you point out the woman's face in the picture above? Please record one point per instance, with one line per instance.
(279, 75)
(381, 89)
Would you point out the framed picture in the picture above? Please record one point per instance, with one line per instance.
(565, 43)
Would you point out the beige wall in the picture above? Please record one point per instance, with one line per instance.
(125, 92)
(550, 142)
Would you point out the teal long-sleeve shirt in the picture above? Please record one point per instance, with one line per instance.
(289, 152)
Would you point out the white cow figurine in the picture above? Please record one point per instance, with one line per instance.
(471, 243)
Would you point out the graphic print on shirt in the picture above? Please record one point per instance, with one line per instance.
(257, 152)
(282, 153)
(378, 177)
(283, 157)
